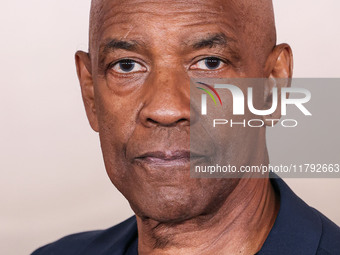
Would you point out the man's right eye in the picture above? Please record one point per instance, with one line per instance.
(126, 66)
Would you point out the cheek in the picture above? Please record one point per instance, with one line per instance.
(116, 121)
(115, 115)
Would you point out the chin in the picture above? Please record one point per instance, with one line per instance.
(171, 204)
(167, 211)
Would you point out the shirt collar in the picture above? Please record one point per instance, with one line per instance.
(297, 228)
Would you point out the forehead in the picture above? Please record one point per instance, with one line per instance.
(173, 19)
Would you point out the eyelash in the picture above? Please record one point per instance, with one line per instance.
(224, 61)
(112, 64)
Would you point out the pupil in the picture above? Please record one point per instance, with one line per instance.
(212, 63)
(126, 65)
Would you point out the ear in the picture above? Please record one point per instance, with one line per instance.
(83, 64)
(279, 71)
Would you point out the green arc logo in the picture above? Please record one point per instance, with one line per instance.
(209, 93)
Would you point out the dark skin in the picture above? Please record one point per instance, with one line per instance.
(135, 87)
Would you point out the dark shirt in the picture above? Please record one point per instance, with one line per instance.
(298, 229)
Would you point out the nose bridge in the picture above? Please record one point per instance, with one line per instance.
(168, 99)
(171, 86)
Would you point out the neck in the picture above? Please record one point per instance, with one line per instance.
(240, 226)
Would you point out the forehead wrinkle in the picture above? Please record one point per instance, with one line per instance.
(156, 6)
(181, 22)
(123, 18)
(104, 10)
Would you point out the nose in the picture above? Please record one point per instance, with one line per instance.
(167, 100)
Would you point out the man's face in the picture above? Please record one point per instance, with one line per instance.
(143, 57)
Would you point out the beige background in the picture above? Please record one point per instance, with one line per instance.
(53, 180)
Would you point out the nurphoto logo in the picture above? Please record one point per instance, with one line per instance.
(239, 99)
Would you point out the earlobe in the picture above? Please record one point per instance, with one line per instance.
(83, 65)
(278, 71)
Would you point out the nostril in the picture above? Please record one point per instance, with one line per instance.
(151, 121)
(182, 120)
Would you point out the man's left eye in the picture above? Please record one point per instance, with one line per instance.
(127, 66)
(208, 64)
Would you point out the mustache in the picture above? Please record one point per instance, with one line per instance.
(167, 144)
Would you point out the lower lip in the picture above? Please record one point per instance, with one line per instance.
(178, 162)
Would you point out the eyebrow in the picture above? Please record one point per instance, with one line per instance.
(211, 41)
(217, 40)
(115, 44)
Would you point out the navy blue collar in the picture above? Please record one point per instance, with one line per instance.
(297, 228)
